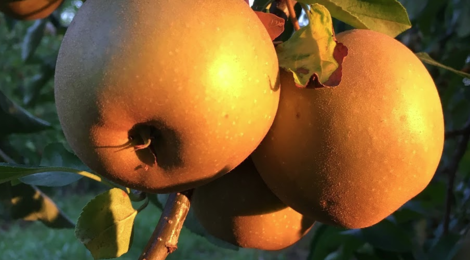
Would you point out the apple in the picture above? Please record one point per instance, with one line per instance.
(353, 154)
(164, 96)
(240, 209)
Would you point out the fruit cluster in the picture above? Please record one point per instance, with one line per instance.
(166, 96)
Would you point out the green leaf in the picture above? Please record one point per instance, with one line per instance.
(313, 52)
(427, 18)
(445, 248)
(388, 236)
(350, 245)
(106, 223)
(11, 172)
(433, 195)
(55, 154)
(414, 8)
(424, 57)
(37, 83)
(32, 39)
(154, 200)
(326, 240)
(15, 119)
(408, 213)
(30, 204)
(331, 242)
(385, 16)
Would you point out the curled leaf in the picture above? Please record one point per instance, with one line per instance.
(273, 23)
(312, 53)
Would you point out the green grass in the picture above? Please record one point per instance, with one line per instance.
(33, 240)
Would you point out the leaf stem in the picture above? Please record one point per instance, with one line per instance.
(292, 15)
(164, 239)
(136, 195)
(143, 206)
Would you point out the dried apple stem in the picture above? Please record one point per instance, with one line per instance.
(164, 239)
(292, 15)
(146, 138)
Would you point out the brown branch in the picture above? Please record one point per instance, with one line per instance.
(292, 15)
(451, 170)
(164, 239)
(459, 132)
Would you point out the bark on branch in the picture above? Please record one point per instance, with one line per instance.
(164, 239)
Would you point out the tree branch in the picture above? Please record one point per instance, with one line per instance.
(164, 239)
(452, 168)
(459, 132)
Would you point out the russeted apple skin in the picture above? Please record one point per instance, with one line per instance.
(29, 9)
(202, 75)
(351, 155)
(240, 209)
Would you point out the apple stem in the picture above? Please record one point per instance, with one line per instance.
(164, 239)
(146, 138)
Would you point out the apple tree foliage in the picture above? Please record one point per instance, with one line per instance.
(432, 226)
